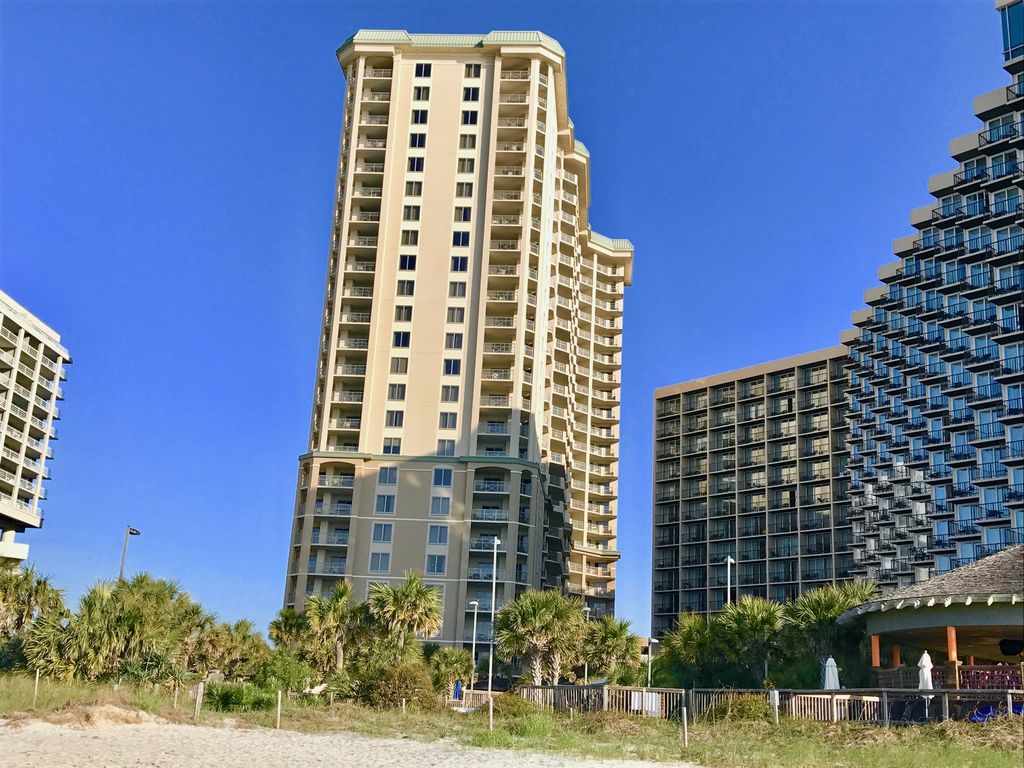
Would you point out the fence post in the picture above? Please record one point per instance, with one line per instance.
(175, 705)
(885, 708)
(686, 729)
(35, 691)
(200, 690)
(490, 713)
(604, 698)
(403, 707)
(277, 721)
(945, 706)
(835, 713)
(1009, 704)
(773, 698)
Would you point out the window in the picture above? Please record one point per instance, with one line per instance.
(380, 562)
(414, 188)
(394, 418)
(442, 477)
(435, 564)
(392, 445)
(400, 365)
(418, 140)
(382, 533)
(407, 261)
(445, 447)
(421, 93)
(419, 117)
(469, 117)
(456, 314)
(440, 506)
(411, 213)
(422, 70)
(384, 504)
(396, 391)
(452, 367)
(471, 94)
(416, 164)
(448, 420)
(460, 239)
(467, 141)
(463, 213)
(387, 476)
(406, 287)
(401, 339)
(410, 237)
(464, 189)
(472, 70)
(437, 534)
(457, 289)
(453, 341)
(466, 164)
(460, 263)
(449, 394)
(403, 314)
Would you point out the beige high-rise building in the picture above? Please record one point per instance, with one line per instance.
(32, 363)
(467, 385)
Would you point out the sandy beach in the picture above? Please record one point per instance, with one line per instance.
(37, 744)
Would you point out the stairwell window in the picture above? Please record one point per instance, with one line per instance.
(448, 420)
(392, 445)
(419, 117)
(460, 239)
(471, 94)
(380, 562)
(469, 117)
(422, 70)
(472, 71)
(416, 164)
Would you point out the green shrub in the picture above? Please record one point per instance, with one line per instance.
(740, 706)
(284, 671)
(385, 687)
(536, 726)
(512, 706)
(238, 697)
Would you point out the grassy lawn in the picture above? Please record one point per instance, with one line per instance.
(728, 744)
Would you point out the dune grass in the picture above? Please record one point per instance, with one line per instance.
(725, 744)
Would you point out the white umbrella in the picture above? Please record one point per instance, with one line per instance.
(831, 675)
(924, 676)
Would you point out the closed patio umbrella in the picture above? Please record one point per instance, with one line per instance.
(924, 675)
(831, 677)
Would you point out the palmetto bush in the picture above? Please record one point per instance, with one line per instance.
(238, 697)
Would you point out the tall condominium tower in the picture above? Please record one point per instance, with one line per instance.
(32, 363)
(750, 465)
(937, 360)
(466, 405)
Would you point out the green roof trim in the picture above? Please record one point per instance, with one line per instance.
(615, 244)
(401, 37)
(581, 148)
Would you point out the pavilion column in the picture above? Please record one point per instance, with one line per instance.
(876, 652)
(953, 675)
(951, 644)
(895, 656)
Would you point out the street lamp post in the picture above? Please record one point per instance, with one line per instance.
(729, 563)
(586, 661)
(650, 655)
(472, 675)
(494, 594)
(128, 531)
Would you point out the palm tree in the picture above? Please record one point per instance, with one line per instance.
(239, 649)
(815, 614)
(751, 633)
(329, 622)
(413, 608)
(566, 641)
(691, 640)
(288, 629)
(447, 665)
(610, 645)
(526, 628)
(25, 595)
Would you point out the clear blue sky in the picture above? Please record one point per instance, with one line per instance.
(166, 178)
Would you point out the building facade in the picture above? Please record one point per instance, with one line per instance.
(936, 363)
(32, 367)
(467, 386)
(750, 465)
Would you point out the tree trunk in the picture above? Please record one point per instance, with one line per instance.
(537, 669)
(555, 667)
(339, 656)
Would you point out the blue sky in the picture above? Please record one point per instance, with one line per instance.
(166, 176)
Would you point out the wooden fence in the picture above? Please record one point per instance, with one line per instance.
(650, 702)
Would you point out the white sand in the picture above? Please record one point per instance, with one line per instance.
(43, 745)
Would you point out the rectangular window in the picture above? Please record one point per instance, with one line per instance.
(406, 287)
(469, 117)
(384, 504)
(472, 70)
(403, 314)
(452, 367)
(471, 94)
(440, 506)
(410, 237)
(457, 289)
(380, 562)
(456, 314)
(382, 533)
(414, 188)
(445, 447)
(392, 445)
(396, 391)
(460, 263)
(407, 261)
(400, 365)
(394, 418)
(463, 213)
(460, 239)
(417, 140)
(401, 339)
(437, 534)
(421, 93)
(416, 164)
(419, 117)
(448, 420)
(464, 189)
(411, 213)
(442, 477)
(453, 341)
(387, 476)
(423, 70)
(435, 564)
(466, 165)
(467, 141)
(449, 394)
